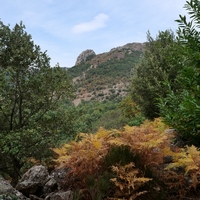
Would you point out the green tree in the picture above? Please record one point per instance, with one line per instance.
(131, 111)
(182, 110)
(111, 119)
(159, 63)
(31, 118)
(90, 113)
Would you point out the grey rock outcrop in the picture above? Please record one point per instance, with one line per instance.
(33, 181)
(65, 195)
(84, 55)
(38, 184)
(7, 190)
(50, 186)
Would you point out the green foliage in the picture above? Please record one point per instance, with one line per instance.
(160, 63)
(181, 110)
(131, 111)
(90, 57)
(93, 114)
(113, 119)
(105, 74)
(77, 70)
(31, 92)
(113, 70)
(8, 197)
(98, 187)
(120, 155)
(89, 116)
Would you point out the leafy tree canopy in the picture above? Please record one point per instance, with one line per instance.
(160, 63)
(30, 93)
(182, 110)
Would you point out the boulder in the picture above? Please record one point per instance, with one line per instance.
(61, 195)
(34, 197)
(33, 181)
(50, 186)
(6, 190)
(37, 184)
(59, 175)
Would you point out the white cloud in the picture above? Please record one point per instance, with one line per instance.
(98, 22)
(57, 26)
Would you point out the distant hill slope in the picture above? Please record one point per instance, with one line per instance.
(106, 75)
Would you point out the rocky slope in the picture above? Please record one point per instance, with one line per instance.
(84, 55)
(107, 75)
(37, 184)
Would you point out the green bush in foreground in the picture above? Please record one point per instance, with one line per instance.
(182, 110)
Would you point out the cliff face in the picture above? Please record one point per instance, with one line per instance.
(107, 75)
(84, 55)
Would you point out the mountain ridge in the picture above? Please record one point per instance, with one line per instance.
(105, 76)
(136, 46)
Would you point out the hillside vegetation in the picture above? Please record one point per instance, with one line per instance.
(148, 162)
(134, 163)
(130, 131)
(107, 75)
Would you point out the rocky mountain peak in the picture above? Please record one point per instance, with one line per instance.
(135, 46)
(84, 55)
(107, 75)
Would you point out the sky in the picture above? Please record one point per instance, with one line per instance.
(65, 28)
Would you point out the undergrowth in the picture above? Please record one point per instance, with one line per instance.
(133, 163)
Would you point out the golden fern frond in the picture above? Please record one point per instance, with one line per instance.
(175, 180)
(156, 124)
(118, 142)
(102, 133)
(60, 151)
(195, 153)
(34, 161)
(142, 180)
(128, 181)
(153, 140)
(137, 194)
(128, 129)
(188, 158)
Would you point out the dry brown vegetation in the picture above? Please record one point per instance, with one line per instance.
(130, 164)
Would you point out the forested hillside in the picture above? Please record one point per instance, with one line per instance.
(119, 125)
(107, 75)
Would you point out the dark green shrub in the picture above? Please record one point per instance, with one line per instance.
(182, 110)
(160, 63)
(8, 197)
